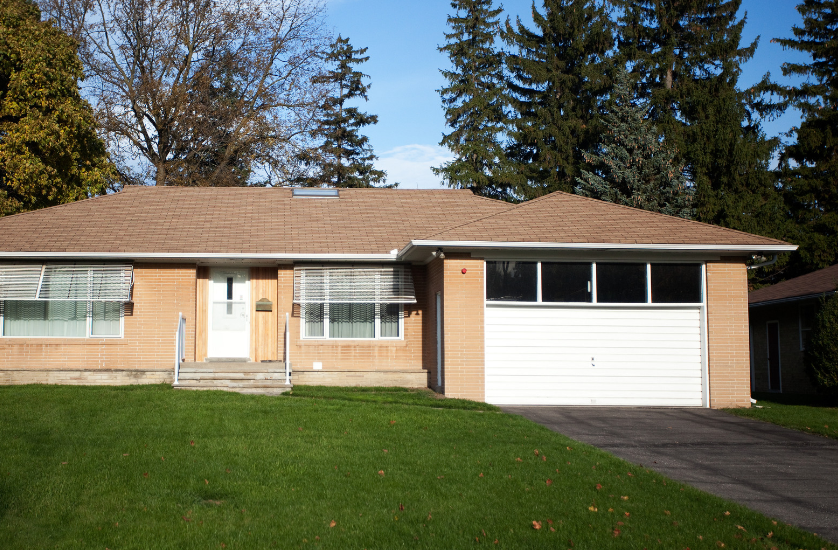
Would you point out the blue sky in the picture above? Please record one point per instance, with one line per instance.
(404, 64)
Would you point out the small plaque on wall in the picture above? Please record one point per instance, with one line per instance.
(264, 305)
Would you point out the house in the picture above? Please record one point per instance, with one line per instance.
(781, 319)
(559, 300)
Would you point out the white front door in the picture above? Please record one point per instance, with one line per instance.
(229, 313)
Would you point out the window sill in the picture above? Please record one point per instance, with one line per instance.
(397, 342)
(25, 341)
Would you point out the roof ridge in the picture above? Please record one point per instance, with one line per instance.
(62, 205)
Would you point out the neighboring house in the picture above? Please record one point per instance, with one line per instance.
(559, 300)
(781, 319)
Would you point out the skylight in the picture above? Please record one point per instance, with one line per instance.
(315, 193)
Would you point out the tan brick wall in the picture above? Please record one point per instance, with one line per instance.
(160, 292)
(81, 377)
(727, 333)
(463, 327)
(351, 355)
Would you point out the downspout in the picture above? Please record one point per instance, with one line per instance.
(772, 261)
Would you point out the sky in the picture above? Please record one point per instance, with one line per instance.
(404, 65)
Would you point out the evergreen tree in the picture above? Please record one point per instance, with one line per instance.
(345, 159)
(632, 165)
(49, 150)
(474, 101)
(809, 166)
(557, 77)
(688, 55)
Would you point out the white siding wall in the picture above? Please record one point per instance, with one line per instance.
(593, 355)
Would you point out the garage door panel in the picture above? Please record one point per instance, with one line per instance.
(641, 356)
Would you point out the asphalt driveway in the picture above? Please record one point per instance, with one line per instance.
(788, 475)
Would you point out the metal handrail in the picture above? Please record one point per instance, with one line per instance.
(180, 344)
(287, 352)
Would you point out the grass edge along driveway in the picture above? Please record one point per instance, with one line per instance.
(812, 414)
(151, 467)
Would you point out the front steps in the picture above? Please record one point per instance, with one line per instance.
(237, 376)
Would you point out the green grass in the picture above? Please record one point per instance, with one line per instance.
(808, 413)
(150, 467)
(389, 395)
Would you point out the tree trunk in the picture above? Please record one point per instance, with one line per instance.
(161, 175)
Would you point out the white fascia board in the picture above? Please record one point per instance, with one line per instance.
(199, 256)
(596, 246)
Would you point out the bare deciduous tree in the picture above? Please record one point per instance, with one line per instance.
(199, 92)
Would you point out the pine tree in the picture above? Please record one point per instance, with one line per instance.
(688, 55)
(632, 166)
(474, 101)
(50, 152)
(345, 159)
(557, 77)
(809, 166)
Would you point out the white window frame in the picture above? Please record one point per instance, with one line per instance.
(594, 298)
(88, 323)
(376, 329)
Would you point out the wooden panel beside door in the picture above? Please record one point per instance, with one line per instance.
(263, 328)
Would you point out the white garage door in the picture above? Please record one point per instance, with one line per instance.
(540, 355)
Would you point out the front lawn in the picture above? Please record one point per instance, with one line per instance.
(150, 467)
(807, 413)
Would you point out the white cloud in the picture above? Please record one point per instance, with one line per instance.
(410, 165)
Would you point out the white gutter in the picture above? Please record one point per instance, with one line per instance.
(598, 246)
(200, 256)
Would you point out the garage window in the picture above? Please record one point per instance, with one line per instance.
(565, 282)
(621, 283)
(594, 282)
(512, 281)
(676, 283)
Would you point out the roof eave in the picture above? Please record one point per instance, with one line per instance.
(811, 296)
(415, 246)
(197, 256)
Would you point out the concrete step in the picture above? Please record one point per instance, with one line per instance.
(242, 383)
(232, 366)
(200, 375)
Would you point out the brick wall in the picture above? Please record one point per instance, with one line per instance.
(352, 355)
(727, 338)
(463, 325)
(160, 292)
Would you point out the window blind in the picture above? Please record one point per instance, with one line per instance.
(330, 285)
(72, 282)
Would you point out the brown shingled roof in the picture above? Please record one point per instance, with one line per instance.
(178, 220)
(817, 282)
(565, 218)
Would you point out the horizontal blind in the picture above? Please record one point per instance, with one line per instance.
(19, 282)
(73, 282)
(393, 285)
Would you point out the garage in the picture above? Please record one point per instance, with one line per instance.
(588, 333)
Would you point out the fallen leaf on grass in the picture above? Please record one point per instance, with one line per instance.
(124, 454)
(598, 486)
(626, 514)
(332, 523)
(742, 528)
(536, 452)
(720, 544)
(544, 458)
(518, 460)
(206, 481)
(440, 477)
(381, 472)
(592, 508)
(667, 512)
(401, 506)
(770, 534)
(63, 463)
(615, 533)
(392, 422)
(481, 474)
(630, 474)
(186, 518)
(624, 498)
(536, 525)
(145, 474)
(549, 482)
(192, 443)
(727, 513)
(569, 449)
(385, 450)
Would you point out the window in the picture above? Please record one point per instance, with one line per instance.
(352, 320)
(512, 281)
(806, 316)
(346, 302)
(565, 282)
(621, 283)
(676, 283)
(573, 282)
(60, 319)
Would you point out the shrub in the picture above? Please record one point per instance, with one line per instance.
(821, 356)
